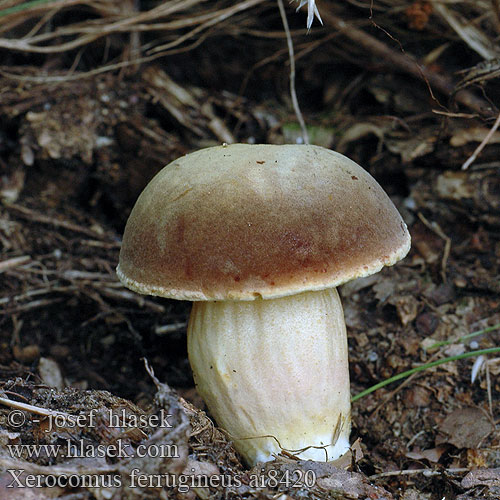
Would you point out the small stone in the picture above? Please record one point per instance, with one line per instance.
(26, 354)
(50, 373)
(427, 323)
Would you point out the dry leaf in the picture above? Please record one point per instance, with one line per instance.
(432, 455)
(465, 428)
(482, 477)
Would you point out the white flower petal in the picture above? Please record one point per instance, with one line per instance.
(312, 10)
(476, 368)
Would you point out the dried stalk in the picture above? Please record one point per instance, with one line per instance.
(91, 31)
(471, 35)
(483, 144)
(44, 219)
(291, 55)
(403, 61)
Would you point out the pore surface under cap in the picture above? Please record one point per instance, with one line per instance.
(242, 221)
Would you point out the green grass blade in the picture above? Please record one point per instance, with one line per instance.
(22, 6)
(464, 338)
(421, 368)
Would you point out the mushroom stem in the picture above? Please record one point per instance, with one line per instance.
(274, 373)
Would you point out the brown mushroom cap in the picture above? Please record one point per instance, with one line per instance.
(245, 221)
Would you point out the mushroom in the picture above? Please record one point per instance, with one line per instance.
(259, 237)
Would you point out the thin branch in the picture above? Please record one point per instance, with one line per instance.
(483, 144)
(44, 219)
(293, 93)
(38, 410)
(13, 262)
(411, 472)
(402, 62)
(472, 36)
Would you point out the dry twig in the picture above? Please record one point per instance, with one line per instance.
(14, 262)
(403, 62)
(436, 228)
(44, 219)
(291, 55)
(483, 144)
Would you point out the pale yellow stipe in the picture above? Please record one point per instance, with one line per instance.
(275, 368)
